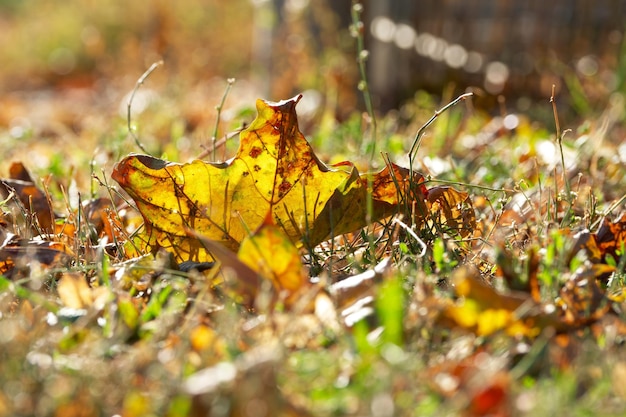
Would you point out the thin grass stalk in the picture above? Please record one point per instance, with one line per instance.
(219, 108)
(559, 141)
(139, 83)
(356, 30)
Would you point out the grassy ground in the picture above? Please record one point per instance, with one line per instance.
(510, 303)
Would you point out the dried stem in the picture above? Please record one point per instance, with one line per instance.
(139, 83)
(219, 108)
(420, 133)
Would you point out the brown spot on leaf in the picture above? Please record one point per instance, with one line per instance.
(255, 152)
(284, 187)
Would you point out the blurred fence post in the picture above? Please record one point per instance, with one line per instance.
(502, 46)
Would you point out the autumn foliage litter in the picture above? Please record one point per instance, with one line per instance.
(480, 274)
(235, 266)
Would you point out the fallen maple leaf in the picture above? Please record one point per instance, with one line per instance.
(275, 170)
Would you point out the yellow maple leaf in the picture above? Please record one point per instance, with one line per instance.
(275, 170)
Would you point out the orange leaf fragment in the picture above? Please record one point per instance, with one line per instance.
(100, 214)
(611, 237)
(18, 256)
(452, 208)
(30, 196)
(275, 170)
(608, 242)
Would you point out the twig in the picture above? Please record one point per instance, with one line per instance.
(221, 142)
(422, 130)
(139, 83)
(468, 185)
(556, 116)
(219, 108)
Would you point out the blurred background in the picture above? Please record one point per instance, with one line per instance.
(68, 66)
(517, 49)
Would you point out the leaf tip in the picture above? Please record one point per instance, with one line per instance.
(283, 105)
